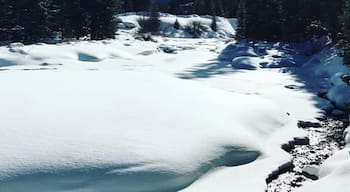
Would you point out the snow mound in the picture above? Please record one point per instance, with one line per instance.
(225, 29)
(252, 56)
(234, 50)
(248, 63)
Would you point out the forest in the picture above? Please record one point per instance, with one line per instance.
(30, 21)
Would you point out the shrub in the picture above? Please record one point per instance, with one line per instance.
(150, 24)
(196, 29)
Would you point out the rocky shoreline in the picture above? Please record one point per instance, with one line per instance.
(324, 139)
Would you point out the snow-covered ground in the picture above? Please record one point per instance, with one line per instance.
(123, 115)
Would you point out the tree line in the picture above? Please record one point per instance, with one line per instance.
(224, 8)
(29, 21)
(286, 20)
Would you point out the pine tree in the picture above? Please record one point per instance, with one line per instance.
(128, 6)
(242, 16)
(5, 20)
(230, 8)
(31, 16)
(174, 7)
(214, 25)
(201, 7)
(177, 24)
(73, 19)
(346, 33)
(152, 23)
(101, 15)
(142, 5)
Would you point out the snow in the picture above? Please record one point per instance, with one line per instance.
(125, 115)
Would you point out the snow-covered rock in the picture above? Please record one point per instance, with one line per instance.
(311, 170)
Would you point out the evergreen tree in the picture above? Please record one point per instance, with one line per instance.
(152, 23)
(142, 5)
(174, 7)
(214, 25)
(346, 33)
(128, 6)
(31, 16)
(73, 19)
(5, 20)
(243, 20)
(230, 8)
(177, 24)
(101, 16)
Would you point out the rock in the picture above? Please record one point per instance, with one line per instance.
(286, 63)
(337, 113)
(15, 45)
(145, 37)
(346, 78)
(307, 124)
(281, 170)
(301, 141)
(276, 56)
(169, 50)
(288, 147)
(147, 53)
(311, 172)
(286, 167)
(322, 95)
(126, 26)
(292, 87)
(346, 136)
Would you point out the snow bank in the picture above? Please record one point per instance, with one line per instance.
(225, 29)
(335, 174)
(328, 65)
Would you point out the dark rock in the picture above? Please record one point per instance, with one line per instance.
(288, 147)
(169, 50)
(307, 124)
(286, 167)
(322, 95)
(301, 141)
(346, 78)
(337, 113)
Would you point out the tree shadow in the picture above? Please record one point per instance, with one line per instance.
(207, 70)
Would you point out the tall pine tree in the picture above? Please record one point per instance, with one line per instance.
(31, 16)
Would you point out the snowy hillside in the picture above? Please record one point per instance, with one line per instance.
(128, 115)
(225, 29)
